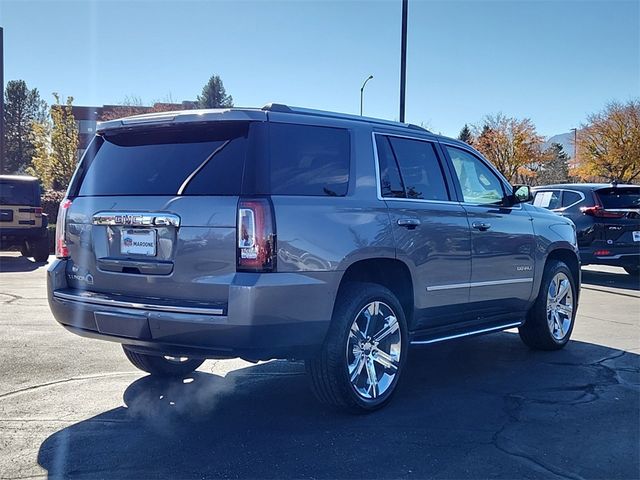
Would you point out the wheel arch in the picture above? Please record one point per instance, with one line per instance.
(571, 259)
(391, 273)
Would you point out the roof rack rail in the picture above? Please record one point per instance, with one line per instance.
(279, 107)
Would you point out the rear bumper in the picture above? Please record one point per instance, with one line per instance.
(15, 237)
(282, 315)
(628, 257)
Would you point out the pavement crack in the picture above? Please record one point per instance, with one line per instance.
(513, 407)
(65, 380)
(13, 298)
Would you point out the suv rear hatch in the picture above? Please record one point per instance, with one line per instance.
(617, 213)
(152, 213)
(20, 202)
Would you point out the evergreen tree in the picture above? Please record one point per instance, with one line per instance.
(214, 95)
(22, 107)
(465, 134)
(556, 169)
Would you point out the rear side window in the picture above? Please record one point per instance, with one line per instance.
(619, 197)
(420, 169)
(18, 192)
(569, 199)
(309, 160)
(199, 160)
(549, 199)
(390, 182)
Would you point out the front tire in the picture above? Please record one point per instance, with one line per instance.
(162, 366)
(550, 321)
(364, 352)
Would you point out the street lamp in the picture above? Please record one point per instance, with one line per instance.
(362, 91)
(575, 146)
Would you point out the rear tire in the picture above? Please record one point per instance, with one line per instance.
(635, 271)
(161, 366)
(364, 352)
(40, 250)
(550, 321)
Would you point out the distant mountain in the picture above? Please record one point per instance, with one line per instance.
(564, 139)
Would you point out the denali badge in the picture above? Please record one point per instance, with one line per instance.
(524, 268)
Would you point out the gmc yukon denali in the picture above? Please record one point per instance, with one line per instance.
(288, 233)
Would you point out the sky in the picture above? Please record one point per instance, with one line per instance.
(554, 62)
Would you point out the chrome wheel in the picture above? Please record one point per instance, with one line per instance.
(559, 306)
(373, 350)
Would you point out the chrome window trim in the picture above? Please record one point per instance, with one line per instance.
(561, 209)
(466, 334)
(136, 219)
(479, 284)
(137, 306)
(379, 180)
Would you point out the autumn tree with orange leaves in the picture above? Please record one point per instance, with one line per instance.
(513, 146)
(608, 145)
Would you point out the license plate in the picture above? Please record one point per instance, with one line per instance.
(636, 236)
(138, 241)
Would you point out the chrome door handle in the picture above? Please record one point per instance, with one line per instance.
(410, 223)
(483, 227)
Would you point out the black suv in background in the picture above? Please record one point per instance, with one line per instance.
(607, 219)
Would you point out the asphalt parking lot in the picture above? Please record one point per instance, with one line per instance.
(484, 407)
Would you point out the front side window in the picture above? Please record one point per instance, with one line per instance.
(479, 184)
(309, 160)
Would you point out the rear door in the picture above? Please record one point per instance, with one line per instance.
(502, 240)
(153, 212)
(430, 227)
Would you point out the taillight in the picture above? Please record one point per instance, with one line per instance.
(600, 212)
(38, 212)
(256, 244)
(602, 253)
(61, 226)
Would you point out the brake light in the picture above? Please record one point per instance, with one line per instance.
(61, 230)
(600, 212)
(38, 212)
(602, 253)
(256, 245)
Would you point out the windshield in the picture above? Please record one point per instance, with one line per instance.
(616, 197)
(204, 160)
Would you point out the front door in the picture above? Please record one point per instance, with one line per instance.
(502, 238)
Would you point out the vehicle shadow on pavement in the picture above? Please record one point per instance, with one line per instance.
(613, 280)
(12, 263)
(475, 408)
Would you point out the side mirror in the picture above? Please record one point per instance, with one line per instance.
(521, 194)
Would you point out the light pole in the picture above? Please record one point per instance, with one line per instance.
(1, 101)
(362, 91)
(403, 58)
(575, 146)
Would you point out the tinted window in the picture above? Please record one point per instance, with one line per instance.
(420, 168)
(478, 183)
(207, 160)
(308, 160)
(390, 181)
(570, 198)
(18, 192)
(619, 197)
(547, 199)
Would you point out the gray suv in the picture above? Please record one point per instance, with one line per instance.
(298, 234)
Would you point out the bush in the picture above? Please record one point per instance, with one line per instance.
(50, 202)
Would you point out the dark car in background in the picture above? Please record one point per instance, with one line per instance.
(22, 223)
(607, 219)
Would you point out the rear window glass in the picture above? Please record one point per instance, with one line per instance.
(202, 160)
(309, 160)
(619, 197)
(550, 200)
(17, 192)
